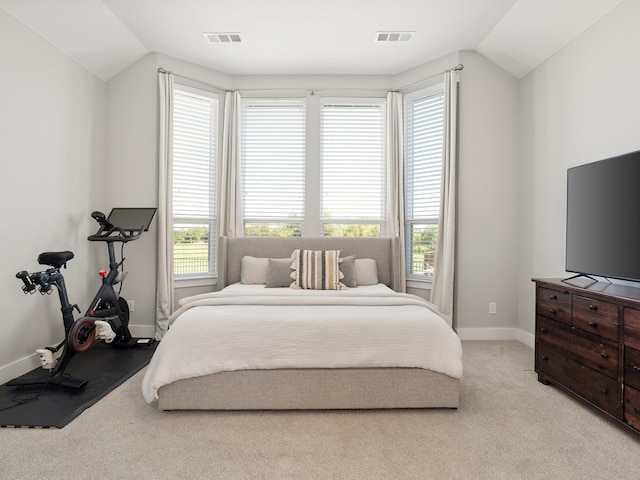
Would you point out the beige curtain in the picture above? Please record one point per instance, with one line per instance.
(230, 187)
(164, 281)
(442, 291)
(395, 177)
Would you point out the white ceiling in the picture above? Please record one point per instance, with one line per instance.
(307, 37)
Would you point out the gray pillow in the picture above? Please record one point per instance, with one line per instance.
(348, 268)
(279, 272)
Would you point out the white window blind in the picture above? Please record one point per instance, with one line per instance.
(273, 166)
(424, 129)
(195, 142)
(352, 165)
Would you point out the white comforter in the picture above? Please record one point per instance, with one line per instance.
(251, 327)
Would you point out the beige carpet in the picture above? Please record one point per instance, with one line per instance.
(509, 426)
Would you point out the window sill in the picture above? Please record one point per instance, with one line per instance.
(199, 281)
(419, 283)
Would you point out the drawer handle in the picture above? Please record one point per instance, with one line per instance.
(553, 311)
(591, 324)
(604, 355)
(553, 297)
(636, 409)
(603, 391)
(543, 330)
(593, 307)
(636, 368)
(544, 358)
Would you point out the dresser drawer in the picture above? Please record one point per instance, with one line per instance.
(632, 328)
(632, 367)
(556, 335)
(591, 350)
(632, 318)
(554, 304)
(632, 407)
(632, 337)
(594, 316)
(598, 388)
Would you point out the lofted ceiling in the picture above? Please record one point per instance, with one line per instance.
(307, 37)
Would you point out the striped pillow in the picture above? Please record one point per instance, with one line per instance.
(316, 270)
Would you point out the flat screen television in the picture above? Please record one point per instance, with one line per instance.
(603, 218)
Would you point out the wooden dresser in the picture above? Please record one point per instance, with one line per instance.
(587, 343)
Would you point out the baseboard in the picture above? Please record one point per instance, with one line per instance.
(529, 339)
(496, 334)
(142, 331)
(19, 367)
(28, 363)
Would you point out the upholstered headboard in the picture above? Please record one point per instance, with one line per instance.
(385, 251)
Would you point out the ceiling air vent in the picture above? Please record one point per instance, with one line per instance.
(394, 36)
(223, 37)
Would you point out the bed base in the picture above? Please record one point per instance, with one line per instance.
(313, 389)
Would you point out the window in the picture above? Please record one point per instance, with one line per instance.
(352, 165)
(273, 166)
(314, 166)
(195, 151)
(424, 129)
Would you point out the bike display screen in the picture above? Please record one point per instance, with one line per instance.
(131, 218)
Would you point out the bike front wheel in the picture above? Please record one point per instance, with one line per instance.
(81, 335)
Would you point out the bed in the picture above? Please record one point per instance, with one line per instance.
(248, 346)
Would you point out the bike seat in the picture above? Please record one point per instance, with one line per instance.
(55, 259)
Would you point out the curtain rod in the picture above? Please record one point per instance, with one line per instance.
(457, 68)
(217, 87)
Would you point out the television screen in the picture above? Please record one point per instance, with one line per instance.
(603, 218)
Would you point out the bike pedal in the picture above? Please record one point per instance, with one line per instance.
(47, 360)
(104, 331)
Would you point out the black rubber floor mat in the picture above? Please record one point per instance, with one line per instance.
(104, 366)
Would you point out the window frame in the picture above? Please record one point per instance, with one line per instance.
(211, 220)
(313, 220)
(380, 104)
(411, 221)
(266, 220)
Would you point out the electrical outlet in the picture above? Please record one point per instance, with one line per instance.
(492, 308)
(131, 305)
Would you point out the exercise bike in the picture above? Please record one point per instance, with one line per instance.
(107, 317)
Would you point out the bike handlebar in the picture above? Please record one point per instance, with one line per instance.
(40, 280)
(109, 233)
(28, 286)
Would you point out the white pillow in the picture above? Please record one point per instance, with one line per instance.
(253, 270)
(366, 272)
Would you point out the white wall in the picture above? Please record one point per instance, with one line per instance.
(133, 170)
(132, 179)
(488, 170)
(581, 105)
(52, 133)
(487, 207)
